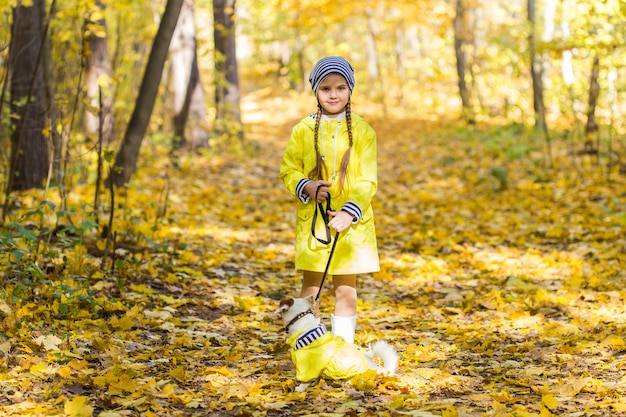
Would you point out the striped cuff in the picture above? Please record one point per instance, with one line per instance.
(304, 197)
(354, 210)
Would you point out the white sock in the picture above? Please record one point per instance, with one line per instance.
(344, 327)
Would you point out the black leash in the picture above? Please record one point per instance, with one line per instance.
(325, 217)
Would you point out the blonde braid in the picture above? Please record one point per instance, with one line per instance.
(345, 160)
(320, 166)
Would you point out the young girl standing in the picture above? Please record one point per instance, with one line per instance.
(332, 153)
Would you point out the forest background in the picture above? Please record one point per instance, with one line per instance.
(146, 239)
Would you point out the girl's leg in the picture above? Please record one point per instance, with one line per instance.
(310, 283)
(344, 320)
(310, 286)
(345, 295)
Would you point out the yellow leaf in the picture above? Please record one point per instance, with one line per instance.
(545, 412)
(549, 401)
(234, 357)
(64, 372)
(365, 381)
(49, 342)
(450, 411)
(132, 402)
(19, 407)
(124, 323)
(614, 342)
(428, 373)
(502, 396)
(5, 347)
(141, 289)
(78, 364)
(572, 388)
(532, 370)
(40, 370)
(5, 308)
(619, 407)
(78, 407)
(248, 303)
(220, 370)
(179, 373)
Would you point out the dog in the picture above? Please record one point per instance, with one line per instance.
(318, 353)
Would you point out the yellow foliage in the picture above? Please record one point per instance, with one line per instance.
(501, 301)
(614, 342)
(449, 411)
(123, 323)
(78, 407)
(549, 401)
(365, 382)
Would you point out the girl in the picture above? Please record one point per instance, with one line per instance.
(333, 153)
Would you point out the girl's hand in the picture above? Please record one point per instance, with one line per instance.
(341, 220)
(322, 194)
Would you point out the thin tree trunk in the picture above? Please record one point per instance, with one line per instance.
(227, 94)
(536, 70)
(299, 54)
(591, 127)
(399, 55)
(460, 37)
(373, 60)
(29, 148)
(98, 120)
(57, 143)
(189, 106)
(126, 159)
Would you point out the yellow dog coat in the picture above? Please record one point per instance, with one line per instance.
(318, 353)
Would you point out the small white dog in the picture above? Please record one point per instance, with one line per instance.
(317, 353)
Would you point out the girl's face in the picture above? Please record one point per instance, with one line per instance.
(333, 94)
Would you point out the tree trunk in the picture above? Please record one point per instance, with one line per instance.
(399, 54)
(536, 70)
(227, 93)
(591, 128)
(29, 148)
(373, 63)
(126, 159)
(99, 115)
(55, 135)
(460, 37)
(189, 106)
(373, 60)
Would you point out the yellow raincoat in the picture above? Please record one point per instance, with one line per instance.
(356, 251)
(328, 356)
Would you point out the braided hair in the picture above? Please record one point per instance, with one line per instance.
(320, 171)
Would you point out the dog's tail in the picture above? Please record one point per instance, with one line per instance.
(385, 352)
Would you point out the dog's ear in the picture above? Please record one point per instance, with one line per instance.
(285, 304)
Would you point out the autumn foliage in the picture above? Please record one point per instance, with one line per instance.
(502, 285)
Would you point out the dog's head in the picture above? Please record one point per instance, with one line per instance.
(290, 308)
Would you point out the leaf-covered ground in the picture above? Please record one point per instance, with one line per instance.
(502, 289)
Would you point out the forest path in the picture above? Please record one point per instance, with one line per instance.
(501, 287)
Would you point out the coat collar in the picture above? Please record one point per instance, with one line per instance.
(306, 337)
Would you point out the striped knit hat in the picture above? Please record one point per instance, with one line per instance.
(331, 65)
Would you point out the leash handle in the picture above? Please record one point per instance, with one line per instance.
(324, 214)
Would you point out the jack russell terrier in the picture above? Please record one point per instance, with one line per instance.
(317, 353)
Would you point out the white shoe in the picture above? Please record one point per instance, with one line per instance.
(344, 327)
